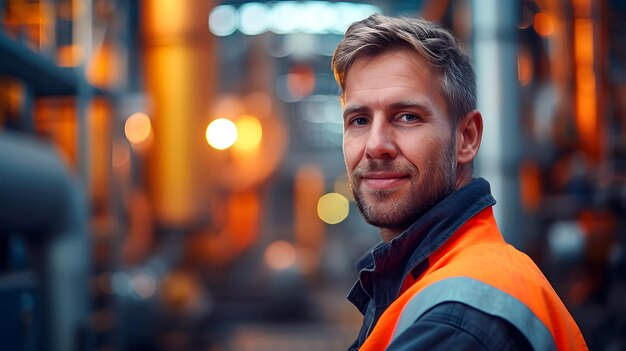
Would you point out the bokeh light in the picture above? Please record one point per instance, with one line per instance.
(223, 20)
(544, 24)
(300, 81)
(221, 133)
(249, 133)
(280, 255)
(144, 285)
(288, 17)
(138, 128)
(120, 283)
(333, 208)
(253, 18)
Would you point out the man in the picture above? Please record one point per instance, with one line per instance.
(443, 278)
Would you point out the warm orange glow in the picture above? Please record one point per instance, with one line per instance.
(236, 223)
(249, 133)
(583, 44)
(244, 212)
(69, 55)
(44, 18)
(180, 290)
(172, 111)
(167, 17)
(99, 139)
(301, 81)
(103, 69)
(179, 78)
(586, 94)
(137, 128)
(243, 169)
(56, 119)
(524, 67)
(586, 103)
(140, 231)
(280, 255)
(530, 185)
(544, 24)
(308, 188)
(582, 8)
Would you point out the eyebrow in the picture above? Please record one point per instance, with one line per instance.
(354, 108)
(398, 105)
(410, 104)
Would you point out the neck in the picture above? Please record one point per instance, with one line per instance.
(389, 234)
(463, 175)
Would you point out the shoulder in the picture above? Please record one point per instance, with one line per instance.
(454, 325)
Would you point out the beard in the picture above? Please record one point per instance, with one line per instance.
(436, 181)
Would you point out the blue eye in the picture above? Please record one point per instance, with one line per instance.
(409, 117)
(359, 121)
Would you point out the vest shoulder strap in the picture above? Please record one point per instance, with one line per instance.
(482, 297)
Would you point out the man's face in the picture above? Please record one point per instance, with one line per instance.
(398, 140)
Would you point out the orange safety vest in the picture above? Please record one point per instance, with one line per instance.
(478, 268)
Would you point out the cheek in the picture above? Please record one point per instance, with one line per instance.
(352, 152)
(420, 150)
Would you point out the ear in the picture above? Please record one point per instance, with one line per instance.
(469, 133)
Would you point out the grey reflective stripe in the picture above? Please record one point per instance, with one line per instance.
(482, 297)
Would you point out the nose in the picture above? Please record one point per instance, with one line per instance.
(380, 141)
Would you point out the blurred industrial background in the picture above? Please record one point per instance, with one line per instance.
(171, 175)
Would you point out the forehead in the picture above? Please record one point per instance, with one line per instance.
(399, 73)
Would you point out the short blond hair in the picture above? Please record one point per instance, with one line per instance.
(443, 53)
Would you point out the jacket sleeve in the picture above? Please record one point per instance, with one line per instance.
(456, 326)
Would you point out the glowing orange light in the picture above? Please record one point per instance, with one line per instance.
(104, 67)
(249, 133)
(280, 255)
(69, 55)
(138, 128)
(301, 81)
(530, 185)
(167, 17)
(544, 24)
(583, 44)
(586, 100)
(308, 228)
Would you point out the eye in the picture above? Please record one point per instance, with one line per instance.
(409, 117)
(359, 121)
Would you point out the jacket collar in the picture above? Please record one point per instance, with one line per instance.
(383, 269)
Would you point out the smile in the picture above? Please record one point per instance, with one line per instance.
(384, 180)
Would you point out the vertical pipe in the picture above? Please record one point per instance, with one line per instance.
(81, 33)
(180, 82)
(495, 55)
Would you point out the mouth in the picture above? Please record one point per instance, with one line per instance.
(384, 180)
